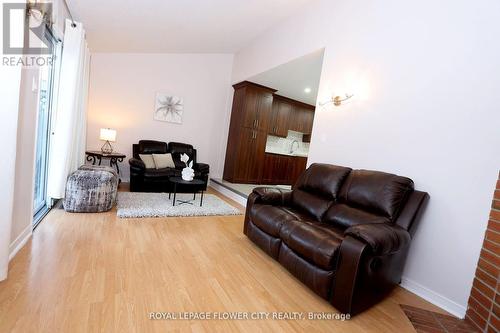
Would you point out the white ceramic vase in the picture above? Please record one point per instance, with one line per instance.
(188, 174)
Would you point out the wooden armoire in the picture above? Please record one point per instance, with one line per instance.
(251, 113)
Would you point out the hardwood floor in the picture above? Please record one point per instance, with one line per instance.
(99, 273)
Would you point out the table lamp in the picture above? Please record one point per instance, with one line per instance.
(108, 135)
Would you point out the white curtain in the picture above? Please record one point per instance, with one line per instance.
(67, 150)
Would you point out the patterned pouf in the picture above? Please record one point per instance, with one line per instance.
(91, 189)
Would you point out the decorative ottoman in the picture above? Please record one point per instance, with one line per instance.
(91, 189)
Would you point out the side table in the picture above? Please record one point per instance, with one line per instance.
(193, 183)
(96, 156)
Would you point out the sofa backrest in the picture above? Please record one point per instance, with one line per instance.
(149, 147)
(369, 197)
(318, 187)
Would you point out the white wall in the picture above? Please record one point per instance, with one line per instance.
(122, 96)
(9, 93)
(24, 156)
(425, 76)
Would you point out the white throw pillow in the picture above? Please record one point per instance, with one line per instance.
(163, 161)
(148, 161)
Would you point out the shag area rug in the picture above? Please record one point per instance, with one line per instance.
(136, 204)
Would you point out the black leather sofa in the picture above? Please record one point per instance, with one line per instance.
(344, 233)
(156, 180)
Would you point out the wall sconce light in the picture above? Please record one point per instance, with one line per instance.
(337, 100)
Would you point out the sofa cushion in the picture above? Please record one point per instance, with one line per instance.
(270, 218)
(310, 203)
(271, 245)
(298, 214)
(316, 242)
(163, 161)
(147, 159)
(317, 188)
(345, 216)
(376, 192)
(319, 280)
(177, 149)
(161, 173)
(152, 147)
(322, 180)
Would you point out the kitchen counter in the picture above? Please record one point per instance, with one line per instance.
(277, 151)
(282, 146)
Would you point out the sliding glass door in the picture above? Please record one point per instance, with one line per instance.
(46, 85)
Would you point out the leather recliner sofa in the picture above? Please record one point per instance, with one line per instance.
(156, 180)
(344, 233)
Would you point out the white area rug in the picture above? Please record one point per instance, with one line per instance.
(136, 204)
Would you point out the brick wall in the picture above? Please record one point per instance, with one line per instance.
(483, 309)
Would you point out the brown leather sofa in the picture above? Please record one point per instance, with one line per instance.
(344, 233)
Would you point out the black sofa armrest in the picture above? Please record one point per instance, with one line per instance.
(202, 167)
(382, 238)
(137, 164)
(273, 196)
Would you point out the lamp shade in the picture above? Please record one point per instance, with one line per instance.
(108, 134)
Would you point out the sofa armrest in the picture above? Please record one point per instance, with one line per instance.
(273, 196)
(137, 163)
(382, 238)
(202, 167)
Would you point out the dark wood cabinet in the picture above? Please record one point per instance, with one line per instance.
(302, 119)
(282, 110)
(296, 168)
(250, 118)
(258, 111)
(282, 169)
(250, 158)
(289, 114)
(307, 120)
(275, 170)
(296, 120)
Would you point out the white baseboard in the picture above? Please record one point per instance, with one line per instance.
(228, 193)
(433, 297)
(19, 242)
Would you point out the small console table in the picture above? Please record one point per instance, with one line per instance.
(96, 156)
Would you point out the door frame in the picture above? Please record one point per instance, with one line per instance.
(54, 44)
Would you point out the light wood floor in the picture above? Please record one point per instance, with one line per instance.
(99, 273)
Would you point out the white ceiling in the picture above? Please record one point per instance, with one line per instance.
(292, 78)
(178, 26)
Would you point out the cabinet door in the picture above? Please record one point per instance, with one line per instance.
(274, 114)
(296, 119)
(250, 156)
(296, 167)
(282, 119)
(250, 109)
(275, 169)
(264, 112)
(307, 119)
